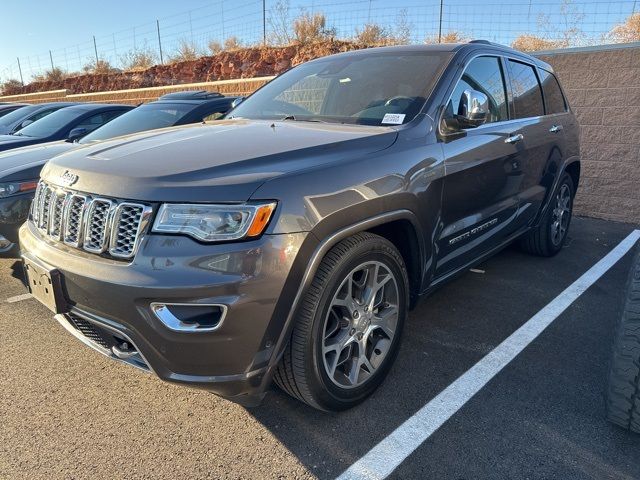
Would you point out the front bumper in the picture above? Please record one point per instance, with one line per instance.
(13, 213)
(249, 278)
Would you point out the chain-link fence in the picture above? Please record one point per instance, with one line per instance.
(232, 23)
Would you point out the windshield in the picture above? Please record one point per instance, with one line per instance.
(385, 88)
(18, 114)
(51, 123)
(144, 117)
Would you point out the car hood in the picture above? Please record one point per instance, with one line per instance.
(14, 141)
(18, 163)
(224, 161)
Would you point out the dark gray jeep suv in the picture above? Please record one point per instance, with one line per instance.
(288, 241)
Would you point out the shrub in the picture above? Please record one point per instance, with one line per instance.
(215, 47)
(137, 60)
(531, 43)
(11, 87)
(186, 52)
(372, 34)
(626, 32)
(100, 67)
(447, 37)
(308, 28)
(232, 43)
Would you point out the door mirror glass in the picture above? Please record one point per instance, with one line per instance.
(473, 109)
(237, 102)
(26, 123)
(76, 133)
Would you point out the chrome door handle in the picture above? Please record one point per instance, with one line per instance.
(514, 138)
(555, 128)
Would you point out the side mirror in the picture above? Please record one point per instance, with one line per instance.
(76, 133)
(26, 123)
(237, 102)
(473, 110)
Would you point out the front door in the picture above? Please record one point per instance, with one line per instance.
(483, 173)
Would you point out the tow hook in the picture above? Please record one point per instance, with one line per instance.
(123, 351)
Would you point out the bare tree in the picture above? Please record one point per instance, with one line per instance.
(448, 37)
(279, 24)
(372, 34)
(232, 43)
(215, 47)
(626, 32)
(402, 31)
(532, 43)
(99, 67)
(310, 28)
(566, 32)
(11, 87)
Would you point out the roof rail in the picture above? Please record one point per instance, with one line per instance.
(190, 95)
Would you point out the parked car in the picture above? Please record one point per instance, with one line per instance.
(289, 241)
(21, 166)
(18, 119)
(6, 108)
(70, 123)
(623, 392)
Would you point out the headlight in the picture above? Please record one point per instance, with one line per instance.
(214, 223)
(8, 189)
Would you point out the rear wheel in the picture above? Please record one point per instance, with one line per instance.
(623, 393)
(348, 329)
(549, 236)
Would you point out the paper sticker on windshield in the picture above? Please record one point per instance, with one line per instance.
(393, 118)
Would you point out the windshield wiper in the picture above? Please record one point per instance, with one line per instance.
(292, 117)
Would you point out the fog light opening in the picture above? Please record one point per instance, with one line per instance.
(5, 245)
(190, 317)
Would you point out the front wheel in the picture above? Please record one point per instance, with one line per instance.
(348, 329)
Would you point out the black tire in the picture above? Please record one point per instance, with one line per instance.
(623, 393)
(540, 241)
(301, 372)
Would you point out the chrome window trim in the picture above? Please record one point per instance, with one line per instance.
(505, 56)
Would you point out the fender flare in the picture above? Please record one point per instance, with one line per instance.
(317, 256)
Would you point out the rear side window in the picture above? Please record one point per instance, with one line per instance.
(483, 74)
(552, 93)
(527, 95)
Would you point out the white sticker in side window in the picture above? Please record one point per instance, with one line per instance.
(393, 118)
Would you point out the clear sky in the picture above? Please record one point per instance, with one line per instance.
(30, 28)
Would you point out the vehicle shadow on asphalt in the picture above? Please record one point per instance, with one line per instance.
(445, 336)
(17, 272)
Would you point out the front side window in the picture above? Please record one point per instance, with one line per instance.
(552, 93)
(527, 95)
(98, 119)
(367, 89)
(483, 74)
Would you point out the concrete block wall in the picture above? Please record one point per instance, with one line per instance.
(603, 87)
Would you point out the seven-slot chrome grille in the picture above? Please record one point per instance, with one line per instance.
(95, 224)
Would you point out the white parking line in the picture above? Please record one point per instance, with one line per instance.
(387, 455)
(19, 298)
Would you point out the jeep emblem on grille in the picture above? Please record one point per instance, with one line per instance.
(67, 178)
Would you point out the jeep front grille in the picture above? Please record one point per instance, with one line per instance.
(96, 224)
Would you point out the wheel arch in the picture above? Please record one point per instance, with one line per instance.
(382, 225)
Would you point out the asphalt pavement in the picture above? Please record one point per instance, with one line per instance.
(68, 412)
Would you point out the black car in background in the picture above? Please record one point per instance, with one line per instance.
(18, 119)
(6, 108)
(20, 168)
(68, 123)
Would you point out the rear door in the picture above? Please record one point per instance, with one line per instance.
(483, 175)
(539, 118)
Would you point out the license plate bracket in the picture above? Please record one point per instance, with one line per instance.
(45, 285)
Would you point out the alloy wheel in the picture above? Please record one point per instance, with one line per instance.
(561, 215)
(360, 324)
